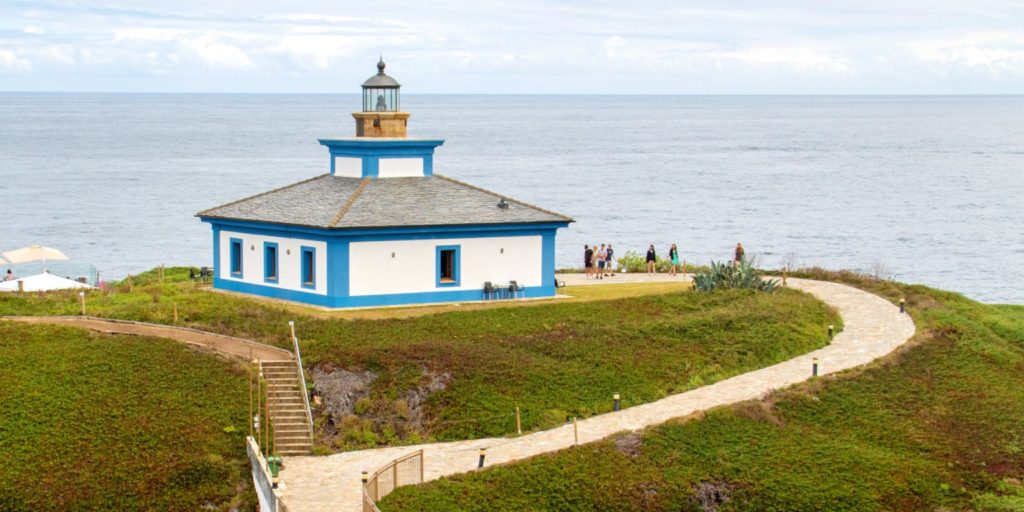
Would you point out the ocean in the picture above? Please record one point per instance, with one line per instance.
(923, 189)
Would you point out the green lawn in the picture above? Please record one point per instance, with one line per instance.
(552, 359)
(97, 422)
(936, 427)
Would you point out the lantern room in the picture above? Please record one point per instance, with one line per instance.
(380, 92)
(381, 116)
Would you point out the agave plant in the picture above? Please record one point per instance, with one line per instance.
(724, 275)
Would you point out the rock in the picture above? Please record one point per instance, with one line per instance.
(629, 444)
(340, 389)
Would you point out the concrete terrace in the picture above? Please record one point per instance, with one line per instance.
(873, 328)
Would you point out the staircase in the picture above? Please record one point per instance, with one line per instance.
(292, 431)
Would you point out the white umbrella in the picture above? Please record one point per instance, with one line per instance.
(34, 252)
(41, 283)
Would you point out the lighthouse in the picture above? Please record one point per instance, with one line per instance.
(380, 227)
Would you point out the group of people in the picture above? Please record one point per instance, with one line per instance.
(652, 260)
(599, 261)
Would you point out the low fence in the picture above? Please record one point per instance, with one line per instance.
(261, 478)
(407, 470)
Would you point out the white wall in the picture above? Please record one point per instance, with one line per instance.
(347, 166)
(399, 167)
(289, 265)
(372, 269)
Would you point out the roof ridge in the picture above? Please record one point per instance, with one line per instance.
(261, 194)
(348, 203)
(501, 196)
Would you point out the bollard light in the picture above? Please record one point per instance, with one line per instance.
(903, 305)
(814, 367)
(366, 477)
(831, 330)
(81, 297)
(483, 453)
(616, 403)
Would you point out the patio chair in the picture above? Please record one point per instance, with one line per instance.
(489, 290)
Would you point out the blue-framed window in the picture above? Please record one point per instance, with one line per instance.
(447, 265)
(236, 257)
(271, 263)
(308, 264)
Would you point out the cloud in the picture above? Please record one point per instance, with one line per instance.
(10, 61)
(216, 54)
(998, 54)
(655, 46)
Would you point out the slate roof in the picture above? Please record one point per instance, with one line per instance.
(334, 202)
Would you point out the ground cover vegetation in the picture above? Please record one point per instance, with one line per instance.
(98, 422)
(461, 374)
(935, 426)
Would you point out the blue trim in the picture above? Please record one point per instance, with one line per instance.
(237, 256)
(216, 250)
(371, 166)
(271, 274)
(337, 268)
(547, 262)
(371, 150)
(307, 273)
(396, 299)
(456, 271)
(390, 233)
(375, 146)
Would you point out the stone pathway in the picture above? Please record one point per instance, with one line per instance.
(244, 349)
(873, 327)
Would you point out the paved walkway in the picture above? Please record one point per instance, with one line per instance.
(244, 349)
(873, 327)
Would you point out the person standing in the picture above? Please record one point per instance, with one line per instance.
(673, 254)
(739, 255)
(611, 260)
(602, 256)
(652, 257)
(588, 255)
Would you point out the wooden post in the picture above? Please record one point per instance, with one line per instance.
(161, 273)
(575, 432)
(129, 283)
(21, 286)
(176, 314)
(266, 416)
(270, 437)
(250, 397)
(785, 274)
(519, 423)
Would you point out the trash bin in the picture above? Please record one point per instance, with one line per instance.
(274, 465)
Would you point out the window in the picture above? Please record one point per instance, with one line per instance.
(236, 257)
(308, 262)
(448, 265)
(270, 262)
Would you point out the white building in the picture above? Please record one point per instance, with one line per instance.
(382, 228)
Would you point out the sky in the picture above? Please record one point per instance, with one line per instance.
(526, 46)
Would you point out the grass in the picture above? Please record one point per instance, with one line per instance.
(552, 359)
(96, 422)
(936, 426)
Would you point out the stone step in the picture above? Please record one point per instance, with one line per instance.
(282, 377)
(296, 437)
(290, 425)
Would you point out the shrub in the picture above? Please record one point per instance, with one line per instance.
(725, 275)
(633, 261)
